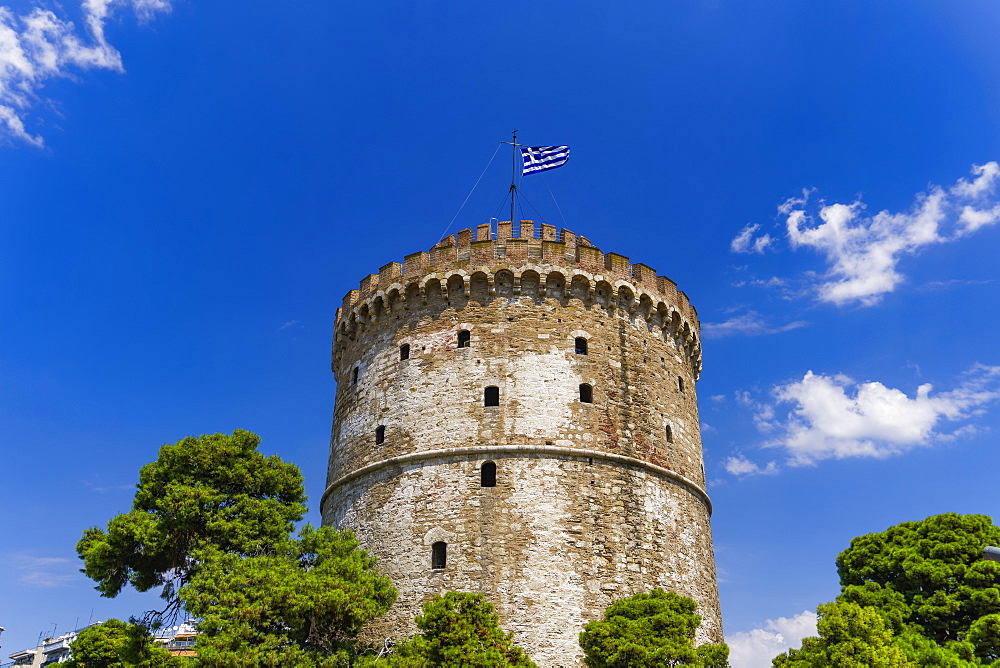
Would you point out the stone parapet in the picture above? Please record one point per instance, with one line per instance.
(549, 264)
(510, 244)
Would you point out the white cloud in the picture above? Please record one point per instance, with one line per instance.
(749, 323)
(773, 282)
(39, 46)
(744, 242)
(986, 178)
(742, 466)
(45, 571)
(756, 648)
(972, 219)
(832, 417)
(862, 252)
(944, 285)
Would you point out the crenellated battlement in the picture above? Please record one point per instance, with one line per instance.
(520, 245)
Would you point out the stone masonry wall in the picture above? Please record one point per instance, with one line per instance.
(593, 501)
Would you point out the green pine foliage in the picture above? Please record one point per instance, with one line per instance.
(211, 523)
(116, 644)
(922, 589)
(852, 637)
(459, 630)
(302, 606)
(216, 492)
(649, 630)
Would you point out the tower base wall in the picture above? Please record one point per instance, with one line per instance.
(558, 539)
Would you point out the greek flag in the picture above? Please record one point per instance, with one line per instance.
(540, 158)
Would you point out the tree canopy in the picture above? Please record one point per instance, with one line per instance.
(212, 524)
(459, 630)
(302, 606)
(215, 491)
(654, 629)
(922, 588)
(851, 636)
(116, 644)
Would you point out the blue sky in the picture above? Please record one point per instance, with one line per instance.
(190, 188)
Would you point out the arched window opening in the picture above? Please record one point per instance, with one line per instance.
(380, 434)
(680, 384)
(439, 555)
(464, 338)
(488, 474)
(404, 352)
(670, 434)
(491, 396)
(581, 345)
(586, 394)
(354, 376)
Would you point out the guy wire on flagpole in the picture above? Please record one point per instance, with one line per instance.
(466, 200)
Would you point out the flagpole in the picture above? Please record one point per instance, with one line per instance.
(513, 178)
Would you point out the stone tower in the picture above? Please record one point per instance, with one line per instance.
(516, 416)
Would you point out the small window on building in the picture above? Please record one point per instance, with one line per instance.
(380, 434)
(488, 475)
(354, 376)
(404, 351)
(680, 383)
(464, 338)
(581, 345)
(491, 396)
(439, 555)
(670, 434)
(586, 394)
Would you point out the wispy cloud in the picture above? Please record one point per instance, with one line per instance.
(741, 466)
(746, 242)
(934, 286)
(750, 323)
(39, 46)
(863, 252)
(105, 489)
(833, 417)
(297, 324)
(756, 648)
(45, 571)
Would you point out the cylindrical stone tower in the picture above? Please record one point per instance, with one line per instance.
(516, 416)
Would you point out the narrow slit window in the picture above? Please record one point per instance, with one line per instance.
(404, 352)
(491, 396)
(680, 384)
(670, 434)
(586, 394)
(464, 338)
(380, 434)
(488, 474)
(581, 346)
(354, 376)
(439, 555)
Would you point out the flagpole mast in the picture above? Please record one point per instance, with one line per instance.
(513, 178)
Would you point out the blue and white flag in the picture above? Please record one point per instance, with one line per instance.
(540, 158)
